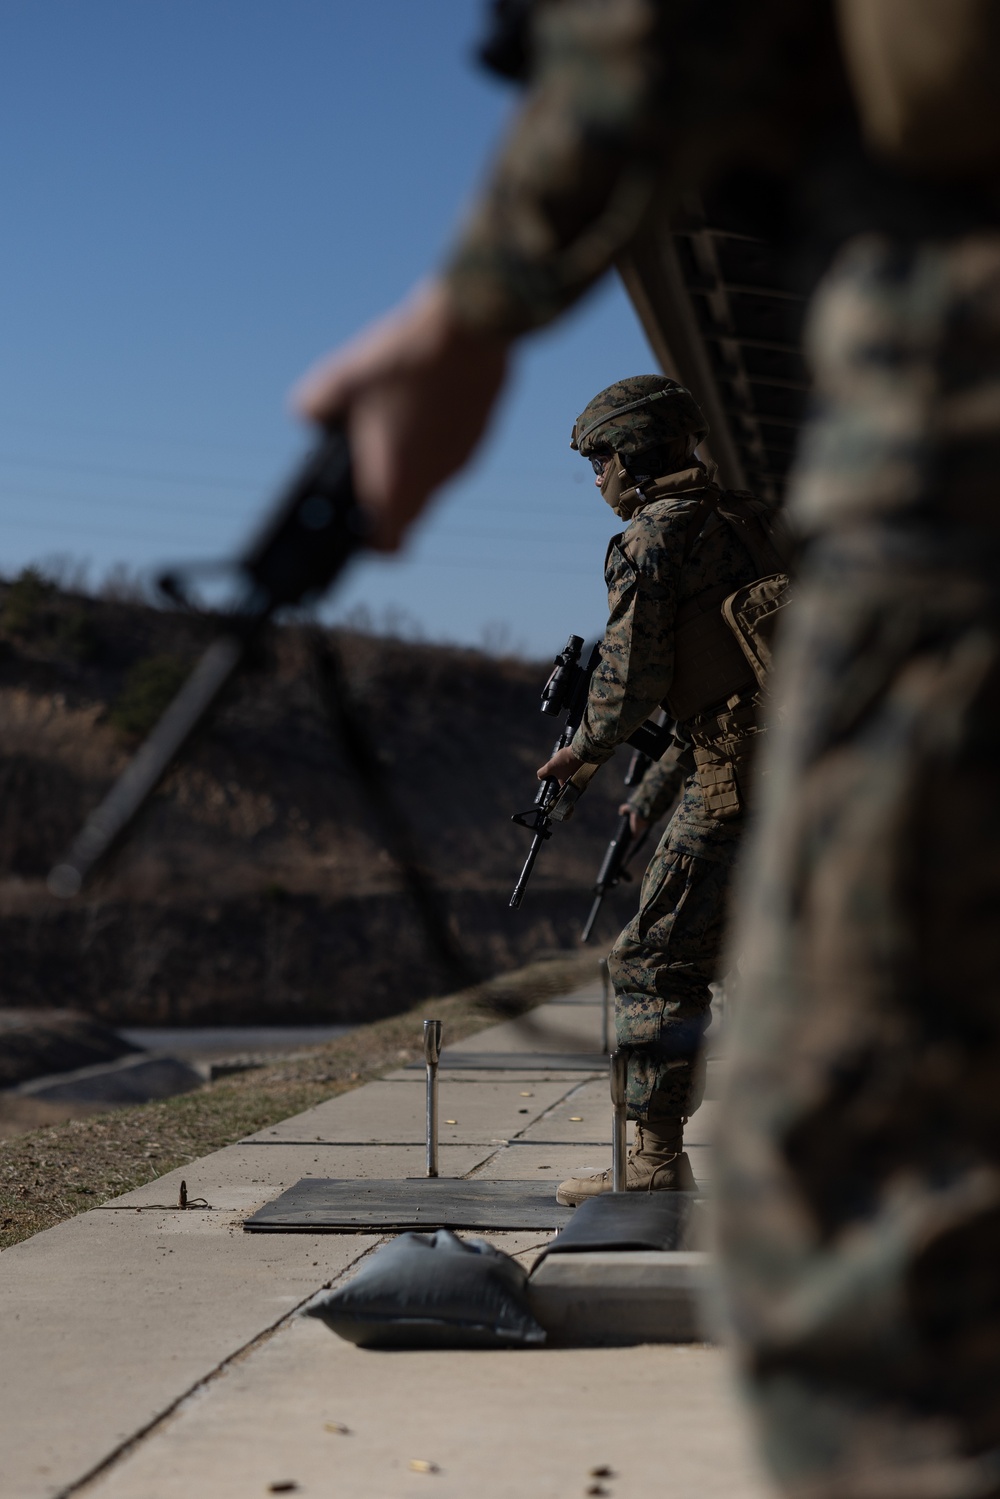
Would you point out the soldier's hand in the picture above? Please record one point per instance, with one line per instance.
(637, 824)
(415, 392)
(562, 765)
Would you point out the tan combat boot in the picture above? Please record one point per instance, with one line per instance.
(656, 1163)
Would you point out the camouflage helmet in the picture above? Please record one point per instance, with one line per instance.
(633, 415)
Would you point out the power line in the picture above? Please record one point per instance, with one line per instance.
(136, 509)
(539, 510)
(219, 481)
(75, 466)
(475, 564)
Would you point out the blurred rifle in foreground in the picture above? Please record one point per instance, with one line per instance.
(303, 547)
(306, 541)
(623, 847)
(566, 692)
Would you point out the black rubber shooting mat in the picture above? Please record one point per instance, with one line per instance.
(626, 1220)
(521, 1061)
(315, 1205)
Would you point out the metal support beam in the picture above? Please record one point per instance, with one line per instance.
(690, 282)
(654, 281)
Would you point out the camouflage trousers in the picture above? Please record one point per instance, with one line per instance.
(663, 962)
(860, 1152)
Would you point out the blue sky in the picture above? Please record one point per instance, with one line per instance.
(200, 197)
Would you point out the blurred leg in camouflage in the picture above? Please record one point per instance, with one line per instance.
(668, 955)
(860, 1158)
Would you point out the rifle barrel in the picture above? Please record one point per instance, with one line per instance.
(525, 876)
(595, 908)
(615, 855)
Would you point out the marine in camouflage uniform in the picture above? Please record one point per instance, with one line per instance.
(860, 1162)
(686, 548)
(860, 1189)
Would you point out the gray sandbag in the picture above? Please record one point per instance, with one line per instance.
(433, 1291)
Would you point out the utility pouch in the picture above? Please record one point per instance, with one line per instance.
(719, 782)
(723, 767)
(752, 615)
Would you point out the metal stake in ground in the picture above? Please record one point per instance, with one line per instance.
(605, 1005)
(432, 1055)
(619, 1078)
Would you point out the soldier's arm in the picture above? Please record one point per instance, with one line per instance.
(577, 170)
(661, 785)
(416, 390)
(637, 652)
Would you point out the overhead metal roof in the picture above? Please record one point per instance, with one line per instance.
(721, 316)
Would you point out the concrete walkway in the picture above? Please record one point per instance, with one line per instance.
(150, 1353)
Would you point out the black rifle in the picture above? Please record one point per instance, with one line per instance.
(623, 846)
(564, 692)
(304, 545)
(302, 548)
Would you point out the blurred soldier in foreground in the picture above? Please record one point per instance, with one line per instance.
(687, 548)
(860, 1184)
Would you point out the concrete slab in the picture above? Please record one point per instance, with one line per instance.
(716, 1076)
(582, 1115)
(110, 1318)
(585, 1114)
(550, 1027)
(525, 1159)
(593, 1062)
(700, 1128)
(527, 1074)
(527, 1163)
(510, 1425)
(242, 1178)
(622, 1297)
(394, 1113)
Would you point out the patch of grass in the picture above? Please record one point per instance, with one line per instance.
(56, 1172)
(149, 687)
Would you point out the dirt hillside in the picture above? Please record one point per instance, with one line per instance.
(255, 888)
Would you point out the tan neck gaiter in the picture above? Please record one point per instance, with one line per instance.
(625, 498)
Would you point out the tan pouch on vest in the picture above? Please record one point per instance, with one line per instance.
(722, 771)
(719, 784)
(924, 76)
(752, 615)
